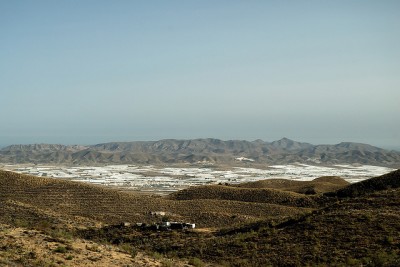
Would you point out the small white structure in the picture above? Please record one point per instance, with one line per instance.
(157, 213)
(165, 224)
(190, 225)
(244, 159)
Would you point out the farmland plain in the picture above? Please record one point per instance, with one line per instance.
(164, 180)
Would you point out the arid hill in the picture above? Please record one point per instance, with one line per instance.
(318, 185)
(214, 151)
(47, 221)
(260, 195)
(351, 231)
(383, 182)
(110, 206)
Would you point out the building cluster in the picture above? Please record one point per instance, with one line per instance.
(165, 226)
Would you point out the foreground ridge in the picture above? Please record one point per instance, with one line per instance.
(285, 225)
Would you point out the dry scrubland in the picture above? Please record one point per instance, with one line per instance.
(318, 185)
(28, 247)
(286, 195)
(272, 222)
(111, 206)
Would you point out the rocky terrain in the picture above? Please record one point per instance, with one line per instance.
(205, 151)
(29, 247)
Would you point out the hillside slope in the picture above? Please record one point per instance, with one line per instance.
(72, 222)
(383, 182)
(262, 195)
(110, 206)
(318, 185)
(361, 230)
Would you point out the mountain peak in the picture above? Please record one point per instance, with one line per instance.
(288, 144)
(285, 140)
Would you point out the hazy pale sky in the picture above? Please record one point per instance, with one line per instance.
(96, 71)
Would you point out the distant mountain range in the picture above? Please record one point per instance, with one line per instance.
(215, 151)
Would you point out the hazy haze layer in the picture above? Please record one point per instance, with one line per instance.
(100, 71)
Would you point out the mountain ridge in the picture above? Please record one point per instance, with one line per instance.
(206, 150)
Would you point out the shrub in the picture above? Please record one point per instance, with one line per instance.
(60, 249)
(61, 233)
(352, 262)
(167, 263)
(69, 257)
(43, 225)
(196, 262)
(21, 223)
(93, 248)
(156, 255)
(129, 249)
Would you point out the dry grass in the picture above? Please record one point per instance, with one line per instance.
(96, 203)
(26, 247)
(318, 185)
(383, 182)
(355, 226)
(357, 231)
(259, 195)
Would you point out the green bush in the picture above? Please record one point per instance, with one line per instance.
(21, 223)
(60, 249)
(128, 248)
(69, 257)
(167, 263)
(196, 262)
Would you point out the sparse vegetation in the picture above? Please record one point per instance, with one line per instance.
(196, 262)
(258, 195)
(69, 257)
(346, 230)
(60, 249)
(128, 248)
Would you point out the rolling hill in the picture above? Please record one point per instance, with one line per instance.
(384, 182)
(110, 206)
(256, 224)
(360, 230)
(318, 185)
(259, 195)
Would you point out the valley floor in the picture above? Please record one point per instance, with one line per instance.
(164, 180)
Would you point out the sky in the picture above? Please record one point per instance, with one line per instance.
(93, 71)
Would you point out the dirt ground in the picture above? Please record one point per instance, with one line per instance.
(23, 247)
